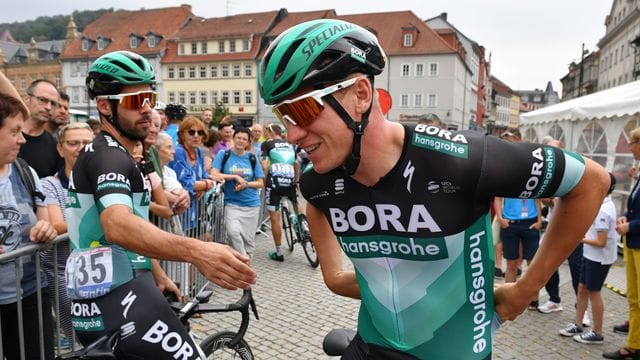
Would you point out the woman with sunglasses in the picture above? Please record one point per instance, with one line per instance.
(241, 196)
(188, 163)
(71, 141)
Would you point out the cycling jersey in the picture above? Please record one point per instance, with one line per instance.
(420, 238)
(282, 158)
(104, 175)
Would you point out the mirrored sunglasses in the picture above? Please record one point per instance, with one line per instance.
(302, 110)
(134, 101)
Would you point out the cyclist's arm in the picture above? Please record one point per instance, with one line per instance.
(163, 282)
(219, 263)
(572, 216)
(340, 282)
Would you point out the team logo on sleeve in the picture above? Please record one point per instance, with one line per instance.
(440, 140)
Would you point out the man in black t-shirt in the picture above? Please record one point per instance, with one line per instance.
(40, 149)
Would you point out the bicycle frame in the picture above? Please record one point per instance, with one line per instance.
(302, 235)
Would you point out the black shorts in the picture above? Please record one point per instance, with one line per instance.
(273, 194)
(148, 324)
(593, 274)
(519, 231)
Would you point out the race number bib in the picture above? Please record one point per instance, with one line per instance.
(89, 273)
(282, 170)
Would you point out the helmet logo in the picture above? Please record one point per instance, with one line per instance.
(359, 55)
(106, 68)
(325, 35)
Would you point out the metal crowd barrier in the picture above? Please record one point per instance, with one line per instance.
(204, 221)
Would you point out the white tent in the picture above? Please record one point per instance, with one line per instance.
(596, 125)
(618, 101)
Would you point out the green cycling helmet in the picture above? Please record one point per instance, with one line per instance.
(110, 72)
(315, 54)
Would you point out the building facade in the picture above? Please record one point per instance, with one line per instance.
(582, 78)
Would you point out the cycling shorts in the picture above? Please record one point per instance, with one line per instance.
(148, 324)
(273, 195)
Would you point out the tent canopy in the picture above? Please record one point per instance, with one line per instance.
(618, 101)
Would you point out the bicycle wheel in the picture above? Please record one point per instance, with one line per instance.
(287, 226)
(307, 244)
(215, 347)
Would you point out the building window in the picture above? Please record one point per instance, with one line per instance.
(152, 41)
(192, 97)
(236, 70)
(192, 72)
(171, 72)
(225, 97)
(203, 72)
(181, 97)
(57, 81)
(417, 100)
(248, 97)
(225, 70)
(203, 97)
(172, 96)
(133, 42)
(433, 69)
(245, 45)
(236, 97)
(86, 44)
(203, 47)
(404, 100)
(101, 43)
(214, 97)
(181, 49)
(221, 46)
(75, 98)
(405, 70)
(419, 70)
(432, 100)
(214, 71)
(194, 48)
(248, 70)
(181, 72)
(232, 46)
(408, 40)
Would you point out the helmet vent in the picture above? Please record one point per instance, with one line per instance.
(123, 66)
(284, 61)
(285, 86)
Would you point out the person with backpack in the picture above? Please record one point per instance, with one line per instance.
(23, 220)
(243, 177)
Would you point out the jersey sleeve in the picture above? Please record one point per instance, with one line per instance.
(110, 177)
(527, 170)
(217, 161)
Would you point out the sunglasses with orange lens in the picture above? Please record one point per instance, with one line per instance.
(134, 101)
(302, 110)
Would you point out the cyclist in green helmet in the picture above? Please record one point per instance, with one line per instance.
(111, 277)
(409, 205)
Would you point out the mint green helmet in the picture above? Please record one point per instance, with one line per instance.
(315, 54)
(110, 72)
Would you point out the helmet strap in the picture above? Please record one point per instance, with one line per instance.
(352, 162)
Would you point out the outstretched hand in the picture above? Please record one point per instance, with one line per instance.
(224, 266)
(510, 301)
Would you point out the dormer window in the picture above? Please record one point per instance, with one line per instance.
(152, 41)
(133, 42)
(408, 40)
(101, 43)
(86, 44)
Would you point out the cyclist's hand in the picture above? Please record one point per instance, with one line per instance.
(42, 231)
(225, 266)
(166, 285)
(510, 301)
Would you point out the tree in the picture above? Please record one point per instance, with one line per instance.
(219, 112)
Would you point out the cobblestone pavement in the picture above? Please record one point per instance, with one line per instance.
(296, 311)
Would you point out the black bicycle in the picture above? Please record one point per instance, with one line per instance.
(296, 229)
(221, 345)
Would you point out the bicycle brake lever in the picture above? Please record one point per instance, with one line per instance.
(254, 308)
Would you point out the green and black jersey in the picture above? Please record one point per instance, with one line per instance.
(420, 238)
(104, 175)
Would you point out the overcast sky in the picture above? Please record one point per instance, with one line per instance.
(531, 42)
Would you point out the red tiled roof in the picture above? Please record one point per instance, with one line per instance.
(228, 26)
(118, 25)
(388, 27)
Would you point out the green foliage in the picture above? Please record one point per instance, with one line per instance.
(50, 27)
(219, 112)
